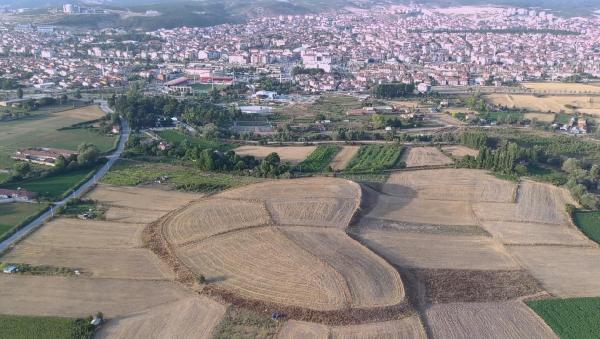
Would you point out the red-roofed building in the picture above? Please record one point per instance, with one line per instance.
(19, 195)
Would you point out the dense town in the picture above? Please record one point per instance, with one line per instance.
(353, 49)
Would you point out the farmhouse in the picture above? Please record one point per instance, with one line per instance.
(19, 195)
(43, 156)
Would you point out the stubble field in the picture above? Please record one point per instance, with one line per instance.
(292, 154)
(425, 156)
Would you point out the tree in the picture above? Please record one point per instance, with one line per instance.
(20, 93)
(88, 154)
(571, 166)
(77, 94)
(21, 169)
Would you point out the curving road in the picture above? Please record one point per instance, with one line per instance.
(112, 158)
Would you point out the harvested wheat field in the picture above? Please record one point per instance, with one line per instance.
(554, 104)
(523, 233)
(264, 264)
(208, 217)
(422, 250)
(76, 297)
(343, 157)
(536, 203)
(193, 317)
(562, 271)
(292, 154)
(67, 232)
(371, 281)
(561, 86)
(395, 329)
(543, 117)
(486, 320)
(141, 198)
(450, 184)
(134, 216)
(327, 212)
(125, 263)
(406, 328)
(317, 187)
(459, 151)
(425, 156)
(412, 210)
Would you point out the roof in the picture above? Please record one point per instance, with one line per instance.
(17, 193)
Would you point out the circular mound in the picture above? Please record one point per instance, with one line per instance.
(307, 261)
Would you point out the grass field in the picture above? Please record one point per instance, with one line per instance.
(42, 130)
(371, 158)
(589, 223)
(12, 215)
(570, 318)
(173, 136)
(502, 117)
(17, 327)
(53, 187)
(132, 173)
(319, 159)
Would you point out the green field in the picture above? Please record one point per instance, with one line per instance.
(372, 158)
(26, 327)
(42, 130)
(576, 318)
(589, 223)
(502, 117)
(14, 214)
(173, 136)
(132, 173)
(52, 187)
(319, 159)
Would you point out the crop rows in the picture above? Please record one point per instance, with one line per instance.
(371, 158)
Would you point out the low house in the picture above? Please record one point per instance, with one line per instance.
(18, 195)
(42, 156)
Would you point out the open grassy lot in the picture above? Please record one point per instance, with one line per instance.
(43, 130)
(502, 117)
(173, 136)
(570, 318)
(371, 158)
(53, 187)
(132, 173)
(589, 223)
(319, 159)
(25, 327)
(12, 215)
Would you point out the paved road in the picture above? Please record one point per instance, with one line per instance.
(78, 192)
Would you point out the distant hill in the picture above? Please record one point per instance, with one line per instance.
(203, 13)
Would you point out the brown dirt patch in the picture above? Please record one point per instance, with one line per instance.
(343, 158)
(448, 285)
